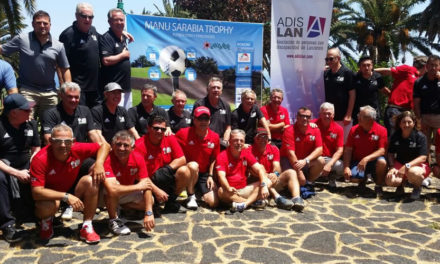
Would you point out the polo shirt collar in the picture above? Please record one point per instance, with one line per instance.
(34, 38)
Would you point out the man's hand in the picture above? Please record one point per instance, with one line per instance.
(125, 54)
(128, 36)
(75, 202)
(299, 164)
(391, 174)
(160, 195)
(144, 185)
(23, 176)
(272, 177)
(149, 222)
(264, 192)
(362, 165)
(168, 132)
(347, 120)
(232, 190)
(326, 170)
(98, 174)
(347, 174)
(210, 183)
(402, 171)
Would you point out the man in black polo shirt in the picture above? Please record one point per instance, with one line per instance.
(115, 56)
(140, 114)
(78, 117)
(108, 117)
(219, 108)
(178, 116)
(367, 84)
(248, 116)
(19, 139)
(427, 98)
(81, 42)
(339, 89)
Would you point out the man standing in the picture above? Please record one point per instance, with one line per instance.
(164, 158)
(115, 56)
(302, 148)
(19, 140)
(332, 144)
(40, 55)
(57, 175)
(365, 149)
(427, 99)
(248, 116)
(339, 89)
(201, 146)
(401, 97)
(140, 114)
(69, 112)
(109, 117)
(7, 78)
(277, 115)
(178, 116)
(123, 168)
(81, 42)
(219, 109)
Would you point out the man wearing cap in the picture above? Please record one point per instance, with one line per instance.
(164, 158)
(248, 116)
(365, 149)
(231, 167)
(178, 116)
(109, 117)
(40, 56)
(58, 174)
(219, 108)
(69, 112)
(268, 155)
(127, 183)
(19, 140)
(277, 115)
(7, 78)
(140, 114)
(201, 146)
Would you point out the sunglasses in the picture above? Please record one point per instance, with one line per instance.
(304, 116)
(86, 16)
(329, 59)
(157, 129)
(203, 118)
(59, 141)
(120, 144)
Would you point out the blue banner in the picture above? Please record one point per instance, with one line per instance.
(184, 53)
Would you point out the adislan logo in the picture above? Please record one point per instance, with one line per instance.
(315, 27)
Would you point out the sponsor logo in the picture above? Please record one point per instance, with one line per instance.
(315, 27)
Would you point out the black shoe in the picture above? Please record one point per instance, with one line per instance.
(11, 235)
(173, 207)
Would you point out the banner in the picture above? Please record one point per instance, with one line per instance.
(176, 53)
(298, 48)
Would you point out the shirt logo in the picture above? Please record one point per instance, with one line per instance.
(121, 119)
(52, 172)
(141, 118)
(312, 138)
(424, 87)
(222, 111)
(375, 137)
(397, 143)
(46, 128)
(28, 133)
(230, 165)
(75, 163)
(118, 174)
(82, 121)
(242, 120)
(166, 150)
(150, 157)
(172, 122)
(374, 83)
(333, 135)
(282, 116)
(412, 144)
(63, 123)
(340, 79)
(244, 163)
(191, 143)
(211, 145)
(188, 120)
(297, 139)
(106, 120)
(94, 38)
(270, 157)
(116, 45)
(6, 136)
(357, 136)
(253, 114)
(82, 41)
(133, 171)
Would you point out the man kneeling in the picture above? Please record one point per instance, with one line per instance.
(58, 173)
(123, 168)
(231, 167)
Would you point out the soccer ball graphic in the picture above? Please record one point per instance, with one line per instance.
(172, 61)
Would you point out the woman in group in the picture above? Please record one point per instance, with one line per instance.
(407, 156)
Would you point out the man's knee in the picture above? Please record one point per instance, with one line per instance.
(44, 209)
(193, 166)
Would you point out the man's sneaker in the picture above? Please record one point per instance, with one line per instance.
(46, 228)
(426, 182)
(173, 207)
(192, 204)
(284, 203)
(67, 214)
(259, 205)
(379, 191)
(117, 227)
(238, 207)
(298, 204)
(400, 190)
(89, 238)
(415, 195)
(11, 235)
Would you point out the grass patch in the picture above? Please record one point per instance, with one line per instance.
(143, 73)
(162, 99)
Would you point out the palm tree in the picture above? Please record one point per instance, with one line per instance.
(12, 11)
(341, 28)
(430, 20)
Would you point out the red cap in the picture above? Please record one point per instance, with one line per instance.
(201, 110)
(261, 131)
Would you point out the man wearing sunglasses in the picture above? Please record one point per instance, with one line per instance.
(302, 149)
(201, 146)
(19, 140)
(339, 89)
(58, 174)
(164, 158)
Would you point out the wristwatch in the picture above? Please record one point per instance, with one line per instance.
(148, 213)
(407, 165)
(263, 184)
(307, 160)
(65, 198)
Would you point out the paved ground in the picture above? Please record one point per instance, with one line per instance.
(335, 228)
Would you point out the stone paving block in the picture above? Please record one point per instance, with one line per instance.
(412, 206)
(21, 260)
(268, 230)
(234, 231)
(389, 239)
(286, 240)
(307, 257)
(342, 227)
(201, 233)
(171, 228)
(110, 253)
(173, 239)
(349, 252)
(304, 228)
(283, 247)
(222, 241)
(369, 248)
(428, 255)
(350, 239)
(362, 222)
(130, 258)
(232, 248)
(120, 244)
(435, 245)
(154, 256)
(397, 259)
(53, 258)
(321, 242)
(409, 225)
(346, 212)
(329, 217)
(146, 245)
(185, 252)
(418, 238)
(209, 254)
(256, 242)
(265, 255)
(368, 261)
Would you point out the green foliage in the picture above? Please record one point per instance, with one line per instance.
(205, 65)
(429, 22)
(142, 61)
(143, 73)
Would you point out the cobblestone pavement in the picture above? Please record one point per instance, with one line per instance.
(336, 227)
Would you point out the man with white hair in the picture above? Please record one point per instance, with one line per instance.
(332, 136)
(178, 116)
(365, 149)
(81, 42)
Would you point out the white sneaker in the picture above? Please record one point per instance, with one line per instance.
(192, 204)
(67, 214)
(426, 182)
(415, 195)
(117, 227)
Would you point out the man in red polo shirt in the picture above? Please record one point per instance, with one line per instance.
(302, 148)
(201, 146)
(277, 115)
(332, 144)
(269, 156)
(57, 175)
(231, 166)
(164, 158)
(127, 183)
(365, 149)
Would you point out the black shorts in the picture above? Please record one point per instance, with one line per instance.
(164, 179)
(83, 170)
(201, 185)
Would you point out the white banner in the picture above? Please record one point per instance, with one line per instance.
(300, 31)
